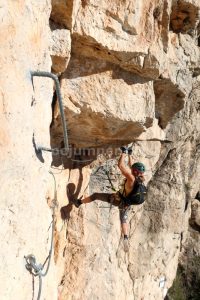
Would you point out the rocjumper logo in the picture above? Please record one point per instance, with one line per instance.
(85, 154)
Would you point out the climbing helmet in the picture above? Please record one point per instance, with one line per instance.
(139, 167)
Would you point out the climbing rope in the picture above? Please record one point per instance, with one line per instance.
(62, 167)
(108, 175)
(31, 264)
(105, 169)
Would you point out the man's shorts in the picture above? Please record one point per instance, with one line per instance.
(123, 210)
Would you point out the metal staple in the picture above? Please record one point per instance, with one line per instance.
(58, 92)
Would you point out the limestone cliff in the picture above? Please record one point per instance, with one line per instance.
(130, 74)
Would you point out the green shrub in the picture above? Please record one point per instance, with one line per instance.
(186, 285)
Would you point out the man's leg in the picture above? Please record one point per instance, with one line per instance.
(105, 197)
(124, 221)
(87, 200)
(78, 202)
(124, 226)
(125, 229)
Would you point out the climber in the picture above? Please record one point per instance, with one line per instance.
(134, 174)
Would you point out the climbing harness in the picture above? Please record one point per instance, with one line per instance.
(31, 264)
(58, 92)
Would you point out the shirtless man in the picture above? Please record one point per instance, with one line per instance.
(131, 172)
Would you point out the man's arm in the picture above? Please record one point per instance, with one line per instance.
(124, 169)
(130, 161)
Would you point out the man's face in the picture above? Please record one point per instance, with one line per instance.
(135, 172)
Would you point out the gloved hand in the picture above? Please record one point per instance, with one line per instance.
(130, 150)
(123, 149)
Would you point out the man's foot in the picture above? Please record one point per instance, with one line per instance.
(76, 202)
(126, 243)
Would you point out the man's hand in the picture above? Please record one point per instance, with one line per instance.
(126, 150)
(124, 168)
(130, 151)
(123, 149)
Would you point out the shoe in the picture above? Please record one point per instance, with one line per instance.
(126, 244)
(76, 202)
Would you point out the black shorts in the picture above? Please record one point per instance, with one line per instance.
(123, 209)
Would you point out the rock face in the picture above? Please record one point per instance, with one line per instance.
(184, 16)
(25, 112)
(196, 213)
(128, 73)
(125, 102)
(61, 46)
